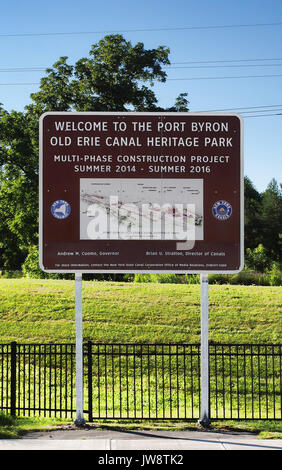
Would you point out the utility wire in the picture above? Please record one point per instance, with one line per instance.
(185, 78)
(262, 115)
(209, 111)
(187, 28)
(41, 69)
(221, 61)
(245, 107)
(222, 66)
(8, 84)
(251, 109)
(23, 69)
(35, 69)
(258, 112)
(223, 78)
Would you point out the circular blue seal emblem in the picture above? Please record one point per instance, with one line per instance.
(60, 209)
(222, 210)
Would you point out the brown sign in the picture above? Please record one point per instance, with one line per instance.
(141, 192)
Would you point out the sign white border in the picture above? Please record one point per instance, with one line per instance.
(131, 113)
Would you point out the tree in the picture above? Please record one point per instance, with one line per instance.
(258, 259)
(252, 212)
(18, 189)
(116, 76)
(271, 216)
(113, 78)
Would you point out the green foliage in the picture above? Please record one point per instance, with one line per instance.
(275, 277)
(272, 220)
(112, 78)
(257, 259)
(6, 420)
(247, 278)
(18, 189)
(116, 76)
(11, 274)
(167, 278)
(30, 267)
(263, 223)
(15, 427)
(252, 213)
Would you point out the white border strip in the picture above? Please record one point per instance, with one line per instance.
(129, 113)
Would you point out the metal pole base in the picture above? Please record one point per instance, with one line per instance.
(205, 422)
(80, 422)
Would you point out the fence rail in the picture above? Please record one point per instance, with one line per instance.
(141, 381)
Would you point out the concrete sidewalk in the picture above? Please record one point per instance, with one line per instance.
(106, 440)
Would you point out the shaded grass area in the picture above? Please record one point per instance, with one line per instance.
(15, 428)
(35, 310)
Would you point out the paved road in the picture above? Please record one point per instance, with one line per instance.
(93, 439)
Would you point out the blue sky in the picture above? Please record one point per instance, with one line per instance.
(188, 29)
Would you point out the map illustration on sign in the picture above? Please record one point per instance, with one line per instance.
(141, 209)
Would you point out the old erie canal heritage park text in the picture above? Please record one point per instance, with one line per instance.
(141, 191)
(103, 163)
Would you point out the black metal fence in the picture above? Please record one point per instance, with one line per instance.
(141, 381)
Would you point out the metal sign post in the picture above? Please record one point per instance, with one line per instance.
(79, 421)
(110, 180)
(204, 416)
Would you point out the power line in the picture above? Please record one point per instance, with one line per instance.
(185, 28)
(251, 109)
(8, 84)
(263, 115)
(221, 61)
(223, 66)
(223, 78)
(41, 69)
(262, 111)
(208, 111)
(23, 69)
(236, 109)
(185, 78)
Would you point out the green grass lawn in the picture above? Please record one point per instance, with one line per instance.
(43, 311)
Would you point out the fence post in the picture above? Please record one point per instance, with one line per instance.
(90, 384)
(13, 377)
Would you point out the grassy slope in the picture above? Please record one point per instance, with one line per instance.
(43, 311)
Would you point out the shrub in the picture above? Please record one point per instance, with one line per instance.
(275, 276)
(6, 420)
(257, 259)
(31, 268)
(9, 274)
(167, 278)
(219, 278)
(247, 278)
(192, 278)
